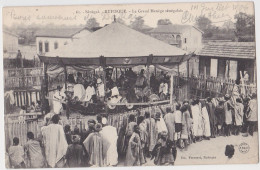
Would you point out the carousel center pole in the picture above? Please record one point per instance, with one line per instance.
(171, 90)
(103, 65)
(66, 76)
(44, 90)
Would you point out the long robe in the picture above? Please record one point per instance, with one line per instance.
(197, 120)
(253, 110)
(55, 143)
(16, 155)
(211, 109)
(170, 123)
(90, 91)
(152, 132)
(35, 154)
(134, 154)
(143, 134)
(161, 126)
(228, 113)
(239, 114)
(220, 115)
(96, 146)
(186, 125)
(110, 134)
(57, 106)
(206, 123)
(79, 91)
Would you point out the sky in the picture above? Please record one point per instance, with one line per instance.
(178, 13)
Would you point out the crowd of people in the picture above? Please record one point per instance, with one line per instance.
(79, 92)
(152, 135)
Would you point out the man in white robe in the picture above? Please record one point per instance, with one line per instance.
(197, 119)
(100, 88)
(110, 134)
(55, 143)
(57, 105)
(90, 91)
(79, 92)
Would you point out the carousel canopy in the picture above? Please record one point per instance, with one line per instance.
(115, 44)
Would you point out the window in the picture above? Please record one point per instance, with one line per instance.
(56, 45)
(46, 44)
(40, 47)
(185, 40)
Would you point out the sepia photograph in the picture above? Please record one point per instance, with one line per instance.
(119, 85)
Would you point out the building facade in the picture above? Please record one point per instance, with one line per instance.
(10, 45)
(186, 37)
(228, 60)
(49, 40)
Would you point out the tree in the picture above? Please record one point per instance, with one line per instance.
(203, 23)
(138, 23)
(228, 25)
(245, 24)
(164, 22)
(91, 23)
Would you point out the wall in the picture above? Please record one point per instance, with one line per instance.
(28, 51)
(60, 41)
(169, 38)
(10, 45)
(227, 68)
(193, 40)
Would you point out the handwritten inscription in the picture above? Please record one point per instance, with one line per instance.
(217, 13)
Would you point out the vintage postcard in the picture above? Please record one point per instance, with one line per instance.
(130, 85)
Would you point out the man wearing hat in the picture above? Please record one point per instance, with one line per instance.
(57, 105)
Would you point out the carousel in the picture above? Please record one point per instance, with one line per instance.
(115, 47)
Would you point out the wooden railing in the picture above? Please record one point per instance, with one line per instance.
(189, 87)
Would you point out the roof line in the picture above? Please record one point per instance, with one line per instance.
(85, 28)
(11, 33)
(198, 29)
